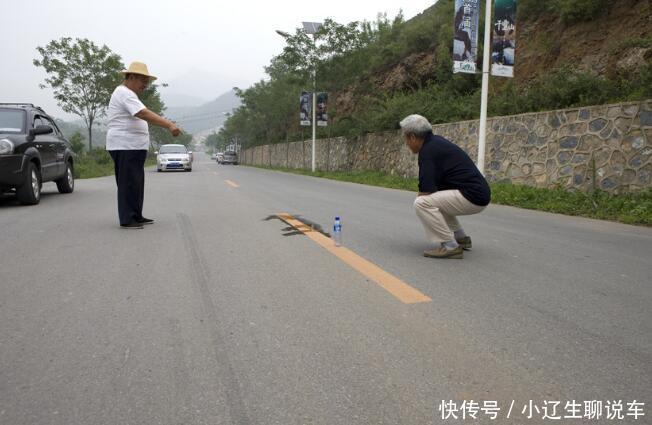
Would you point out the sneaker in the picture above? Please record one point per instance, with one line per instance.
(442, 252)
(465, 243)
(133, 225)
(144, 220)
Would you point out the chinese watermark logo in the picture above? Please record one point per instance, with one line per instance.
(554, 410)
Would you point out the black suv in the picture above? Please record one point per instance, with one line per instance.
(32, 151)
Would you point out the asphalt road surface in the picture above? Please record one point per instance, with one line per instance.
(220, 313)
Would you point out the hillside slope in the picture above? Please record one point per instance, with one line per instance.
(616, 44)
(569, 53)
(208, 116)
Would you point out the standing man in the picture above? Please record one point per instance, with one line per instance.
(449, 185)
(127, 141)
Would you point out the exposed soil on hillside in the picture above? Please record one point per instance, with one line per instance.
(599, 46)
(604, 46)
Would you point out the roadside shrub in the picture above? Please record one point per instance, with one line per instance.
(532, 9)
(573, 11)
(570, 11)
(98, 163)
(77, 142)
(100, 156)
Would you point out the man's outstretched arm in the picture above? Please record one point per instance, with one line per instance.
(156, 119)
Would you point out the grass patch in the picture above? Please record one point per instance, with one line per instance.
(98, 163)
(631, 208)
(371, 178)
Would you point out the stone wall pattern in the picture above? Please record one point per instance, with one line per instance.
(606, 147)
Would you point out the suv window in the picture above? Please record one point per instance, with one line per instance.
(12, 121)
(48, 121)
(38, 121)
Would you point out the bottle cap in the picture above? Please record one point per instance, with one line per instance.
(337, 217)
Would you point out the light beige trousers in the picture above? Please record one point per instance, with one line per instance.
(438, 212)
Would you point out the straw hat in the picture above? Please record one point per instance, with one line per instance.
(140, 69)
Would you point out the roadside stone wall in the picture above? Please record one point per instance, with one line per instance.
(607, 147)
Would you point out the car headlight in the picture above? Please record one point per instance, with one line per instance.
(6, 147)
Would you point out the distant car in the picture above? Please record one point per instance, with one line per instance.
(230, 158)
(173, 157)
(32, 151)
(219, 157)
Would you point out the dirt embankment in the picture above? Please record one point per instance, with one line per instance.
(608, 45)
(605, 45)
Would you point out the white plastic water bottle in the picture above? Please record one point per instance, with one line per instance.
(337, 231)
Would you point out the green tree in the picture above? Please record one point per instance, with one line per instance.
(378, 72)
(212, 141)
(77, 142)
(82, 76)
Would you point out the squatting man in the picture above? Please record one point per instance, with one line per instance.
(450, 185)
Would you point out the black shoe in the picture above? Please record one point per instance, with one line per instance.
(144, 220)
(133, 225)
(465, 243)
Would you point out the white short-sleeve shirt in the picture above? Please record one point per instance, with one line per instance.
(126, 131)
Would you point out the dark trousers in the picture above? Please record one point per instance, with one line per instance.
(130, 178)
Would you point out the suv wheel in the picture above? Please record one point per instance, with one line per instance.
(66, 184)
(30, 192)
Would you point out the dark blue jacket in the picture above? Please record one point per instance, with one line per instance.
(445, 166)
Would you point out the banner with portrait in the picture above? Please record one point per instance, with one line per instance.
(503, 45)
(321, 111)
(465, 36)
(305, 108)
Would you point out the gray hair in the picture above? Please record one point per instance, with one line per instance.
(416, 125)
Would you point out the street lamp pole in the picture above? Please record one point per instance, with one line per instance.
(486, 59)
(310, 28)
(314, 112)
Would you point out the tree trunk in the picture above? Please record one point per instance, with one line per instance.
(90, 135)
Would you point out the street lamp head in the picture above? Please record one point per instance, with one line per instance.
(282, 33)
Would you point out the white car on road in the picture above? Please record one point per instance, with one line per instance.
(173, 157)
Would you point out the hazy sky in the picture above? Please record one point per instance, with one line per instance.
(201, 48)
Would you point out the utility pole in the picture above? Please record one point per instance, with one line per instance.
(486, 59)
(314, 114)
(310, 28)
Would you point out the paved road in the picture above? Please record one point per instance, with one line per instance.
(221, 314)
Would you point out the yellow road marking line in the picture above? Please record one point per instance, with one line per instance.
(230, 183)
(389, 282)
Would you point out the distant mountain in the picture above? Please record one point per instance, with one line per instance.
(208, 116)
(200, 84)
(176, 100)
(198, 120)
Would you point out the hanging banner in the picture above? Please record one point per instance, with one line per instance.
(305, 111)
(465, 41)
(504, 38)
(322, 114)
